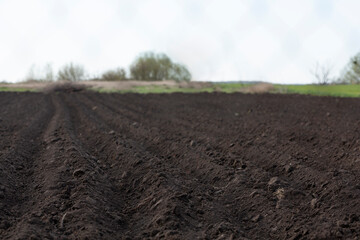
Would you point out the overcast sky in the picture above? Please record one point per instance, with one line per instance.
(272, 40)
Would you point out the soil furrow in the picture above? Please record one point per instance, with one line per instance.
(176, 160)
(17, 164)
(180, 166)
(140, 198)
(75, 183)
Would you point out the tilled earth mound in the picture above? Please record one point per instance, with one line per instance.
(182, 166)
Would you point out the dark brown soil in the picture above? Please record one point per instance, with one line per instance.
(182, 166)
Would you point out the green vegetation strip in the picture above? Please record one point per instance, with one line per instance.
(231, 87)
(318, 90)
(321, 90)
(11, 89)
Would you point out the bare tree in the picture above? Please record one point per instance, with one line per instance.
(48, 71)
(31, 75)
(40, 74)
(71, 72)
(322, 73)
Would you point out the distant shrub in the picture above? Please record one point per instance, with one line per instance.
(151, 66)
(351, 73)
(71, 72)
(179, 72)
(114, 75)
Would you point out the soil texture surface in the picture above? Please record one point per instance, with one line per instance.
(86, 165)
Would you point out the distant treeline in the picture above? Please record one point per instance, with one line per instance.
(147, 66)
(151, 66)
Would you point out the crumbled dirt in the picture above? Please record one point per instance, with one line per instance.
(84, 165)
(64, 87)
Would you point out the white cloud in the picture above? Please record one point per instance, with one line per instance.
(292, 74)
(291, 12)
(349, 10)
(259, 47)
(225, 14)
(157, 16)
(323, 44)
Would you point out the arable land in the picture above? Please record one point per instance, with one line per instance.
(88, 165)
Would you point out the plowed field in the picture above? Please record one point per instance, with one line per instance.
(180, 166)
